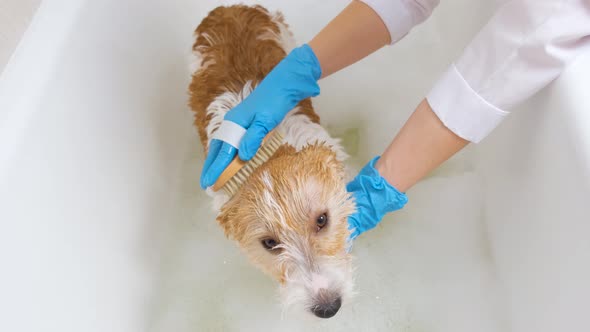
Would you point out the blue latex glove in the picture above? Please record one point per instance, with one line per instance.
(374, 197)
(292, 80)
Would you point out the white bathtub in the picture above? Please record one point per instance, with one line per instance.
(104, 227)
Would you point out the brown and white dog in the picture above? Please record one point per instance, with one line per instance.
(290, 216)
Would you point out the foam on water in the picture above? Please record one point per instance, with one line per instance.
(425, 268)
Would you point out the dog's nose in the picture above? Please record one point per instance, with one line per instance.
(327, 309)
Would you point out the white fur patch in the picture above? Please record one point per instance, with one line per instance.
(194, 62)
(219, 199)
(318, 282)
(278, 218)
(312, 190)
(267, 180)
(196, 57)
(302, 285)
(285, 37)
(299, 131)
(211, 39)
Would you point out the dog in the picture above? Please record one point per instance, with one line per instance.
(290, 216)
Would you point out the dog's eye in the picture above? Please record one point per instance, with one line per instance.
(269, 243)
(322, 221)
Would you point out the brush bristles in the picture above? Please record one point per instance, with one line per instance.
(269, 147)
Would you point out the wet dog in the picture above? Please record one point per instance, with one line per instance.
(290, 216)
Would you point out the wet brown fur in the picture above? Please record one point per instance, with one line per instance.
(305, 183)
(238, 55)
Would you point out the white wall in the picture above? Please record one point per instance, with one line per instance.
(536, 170)
(92, 110)
(15, 16)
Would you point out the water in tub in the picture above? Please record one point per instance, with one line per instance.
(425, 268)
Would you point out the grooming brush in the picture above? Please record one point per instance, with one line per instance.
(238, 171)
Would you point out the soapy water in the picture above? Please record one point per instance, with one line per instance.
(424, 268)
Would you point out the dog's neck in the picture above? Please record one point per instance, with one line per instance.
(298, 130)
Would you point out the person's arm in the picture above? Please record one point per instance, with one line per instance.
(525, 46)
(352, 35)
(365, 26)
(421, 145)
(359, 30)
(509, 60)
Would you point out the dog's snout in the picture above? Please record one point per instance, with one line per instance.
(327, 309)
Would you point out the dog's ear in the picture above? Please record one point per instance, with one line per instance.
(331, 161)
(235, 217)
(227, 217)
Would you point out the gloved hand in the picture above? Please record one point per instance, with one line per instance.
(292, 80)
(374, 197)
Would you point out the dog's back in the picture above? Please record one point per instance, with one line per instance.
(303, 183)
(236, 47)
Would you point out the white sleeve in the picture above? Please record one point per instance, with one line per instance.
(400, 16)
(525, 46)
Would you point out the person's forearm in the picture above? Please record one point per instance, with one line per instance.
(352, 35)
(422, 144)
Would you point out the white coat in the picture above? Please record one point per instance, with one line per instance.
(524, 46)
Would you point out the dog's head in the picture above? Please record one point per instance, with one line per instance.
(290, 217)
